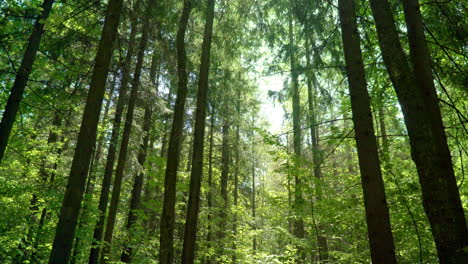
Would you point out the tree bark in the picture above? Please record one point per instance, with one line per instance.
(71, 205)
(188, 250)
(377, 216)
(429, 149)
(224, 180)
(135, 203)
(166, 238)
(114, 141)
(16, 93)
(123, 152)
(445, 212)
(209, 237)
(138, 184)
(84, 218)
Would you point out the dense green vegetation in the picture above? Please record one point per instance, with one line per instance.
(147, 131)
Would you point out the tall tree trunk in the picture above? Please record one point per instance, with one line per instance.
(138, 184)
(209, 237)
(254, 192)
(236, 175)
(429, 149)
(114, 140)
(321, 238)
(297, 137)
(127, 253)
(191, 221)
(123, 152)
(224, 180)
(16, 93)
(166, 238)
(71, 205)
(377, 216)
(442, 204)
(84, 218)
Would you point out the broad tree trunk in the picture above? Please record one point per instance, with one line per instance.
(377, 216)
(188, 250)
(166, 238)
(71, 205)
(429, 149)
(445, 211)
(123, 152)
(16, 93)
(113, 142)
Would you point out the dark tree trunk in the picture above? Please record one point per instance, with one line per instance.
(188, 250)
(166, 238)
(209, 237)
(377, 216)
(16, 93)
(84, 218)
(138, 184)
(127, 253)
(442, 204)
(224, 181)
(71, 205)
(114, 140)
(123, 152)
(429, 149)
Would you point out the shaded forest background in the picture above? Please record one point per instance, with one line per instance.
(132, 131)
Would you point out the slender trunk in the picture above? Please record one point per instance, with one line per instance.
(113, 142)
(84, 218)
(378, 219)
(209, 237)
(71, 205)
(137, 185)
(224, 180)
(123, 152)
(429, 149)
(321, 238)
(236, 176)
(166, 238)
(254, 208)
(16, 93)
(297, 137)
(127, 253)
(188, 251)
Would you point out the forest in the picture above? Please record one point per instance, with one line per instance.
(233, 131)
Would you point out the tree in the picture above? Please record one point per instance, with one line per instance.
(71, 204)
(166, 249)
(16, 93)
(429, 149)
(375, 201)
(114, 139)
(191, 220)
